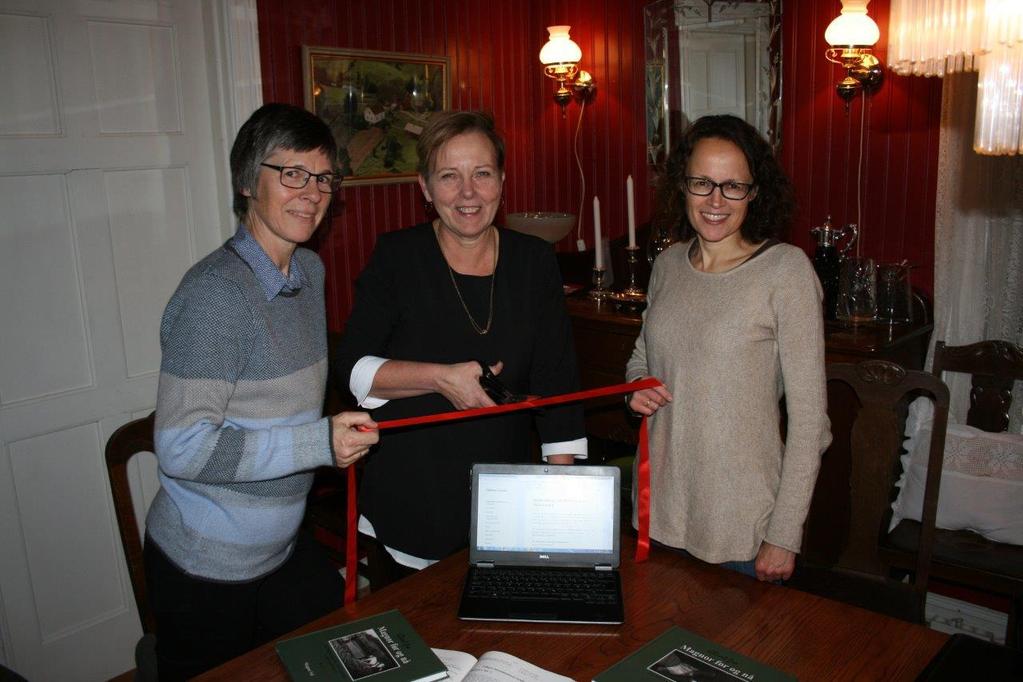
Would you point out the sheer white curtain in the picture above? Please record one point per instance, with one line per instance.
(978, 280)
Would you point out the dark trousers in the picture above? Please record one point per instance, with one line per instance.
(201, 624)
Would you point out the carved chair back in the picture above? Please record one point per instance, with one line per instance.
(850, 568)
(995, 366)
(132, 438)
(963, 556)
(884, 391)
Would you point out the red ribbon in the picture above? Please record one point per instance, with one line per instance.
(642, 494)
(351, 549)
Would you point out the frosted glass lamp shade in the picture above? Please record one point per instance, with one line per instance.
(852, 27)
(560, 49)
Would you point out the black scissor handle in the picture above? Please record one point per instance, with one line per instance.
(497, 391)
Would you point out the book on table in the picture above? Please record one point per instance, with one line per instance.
(383, 647)
(678, 655)
(493, 666)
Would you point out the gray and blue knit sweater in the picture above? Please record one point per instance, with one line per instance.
(238, 414)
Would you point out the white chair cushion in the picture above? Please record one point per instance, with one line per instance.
(981, 479)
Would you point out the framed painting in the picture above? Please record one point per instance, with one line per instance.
(376, 104)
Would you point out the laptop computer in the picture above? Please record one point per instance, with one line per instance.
(544, 544)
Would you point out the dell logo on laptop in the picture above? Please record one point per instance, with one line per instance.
(545, 556)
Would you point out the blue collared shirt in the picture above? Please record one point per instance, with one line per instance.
(270, 278)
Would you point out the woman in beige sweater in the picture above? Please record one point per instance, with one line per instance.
(734, 323)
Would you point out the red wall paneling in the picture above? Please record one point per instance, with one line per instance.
(821, 146)
(493, 51)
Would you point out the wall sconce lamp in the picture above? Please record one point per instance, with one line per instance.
(852, 35)
(560, 57)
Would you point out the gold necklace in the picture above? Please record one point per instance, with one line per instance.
(482, 331)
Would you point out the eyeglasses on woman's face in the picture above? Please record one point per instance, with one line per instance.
(730, 189)
(297, 178)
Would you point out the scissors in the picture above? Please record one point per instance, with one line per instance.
(497, 391)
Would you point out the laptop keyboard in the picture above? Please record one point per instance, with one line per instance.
(583, 585)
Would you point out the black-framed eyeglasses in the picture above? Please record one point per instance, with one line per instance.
(297, 178)
(730, 189)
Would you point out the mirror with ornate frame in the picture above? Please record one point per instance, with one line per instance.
(711, 57)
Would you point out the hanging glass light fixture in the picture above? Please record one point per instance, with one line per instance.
(935, 37)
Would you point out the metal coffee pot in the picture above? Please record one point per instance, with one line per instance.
(827, 259)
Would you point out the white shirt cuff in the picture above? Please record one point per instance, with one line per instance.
(361, 381)
(577, 447)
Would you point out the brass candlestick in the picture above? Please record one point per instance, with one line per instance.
(598, 291)
(632, 288)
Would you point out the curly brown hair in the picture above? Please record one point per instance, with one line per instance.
(769, 211)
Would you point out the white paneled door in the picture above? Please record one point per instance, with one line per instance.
(714, 77)
(107, 194)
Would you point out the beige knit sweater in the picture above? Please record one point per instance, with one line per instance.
(728, 345)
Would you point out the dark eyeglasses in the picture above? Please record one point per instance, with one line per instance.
(730, 189)
(297, 178)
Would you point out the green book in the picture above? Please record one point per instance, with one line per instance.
(383, 647)
(679, 655)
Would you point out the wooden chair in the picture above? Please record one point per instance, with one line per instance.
(995, 366)
(325, 508)
(132, 438)
(962, 556)
(850, 569)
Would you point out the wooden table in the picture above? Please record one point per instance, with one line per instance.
(810, 637)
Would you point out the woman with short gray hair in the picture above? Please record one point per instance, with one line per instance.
(238, 415)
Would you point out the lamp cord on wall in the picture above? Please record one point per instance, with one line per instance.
(582, 180)
(859, 175)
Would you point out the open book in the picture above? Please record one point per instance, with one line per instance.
(493, 666)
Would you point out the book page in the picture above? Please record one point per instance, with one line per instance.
(497, 666)
(458, 663)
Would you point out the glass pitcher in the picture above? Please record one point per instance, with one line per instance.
(828, 258)
(857, 290)
(894, 293)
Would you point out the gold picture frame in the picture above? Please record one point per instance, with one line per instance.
(376, 104)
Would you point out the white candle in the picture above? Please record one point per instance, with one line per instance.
(599, 254)
(631, 203)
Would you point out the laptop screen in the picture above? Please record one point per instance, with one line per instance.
(545, 514)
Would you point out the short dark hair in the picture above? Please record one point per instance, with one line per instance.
(271, 127)
(769, 211)
(445, 125)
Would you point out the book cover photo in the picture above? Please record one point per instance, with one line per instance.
(678, 655)
(383, 647)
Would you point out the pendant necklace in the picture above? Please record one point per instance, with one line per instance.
(482, 331)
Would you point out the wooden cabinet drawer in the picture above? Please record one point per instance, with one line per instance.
(602, 352)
